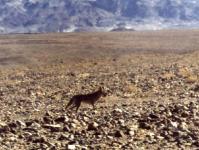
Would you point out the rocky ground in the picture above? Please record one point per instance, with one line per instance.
(152, 102)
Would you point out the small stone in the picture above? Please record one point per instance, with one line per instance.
(121, 122)
(183, 126)
(44, 146)
(144, 125)
(35, 125)
(174, 124)
(73, 125)
(83, 147)
(27, 134)
(29, 123)
(39, 139)
(62, 119)
(92, 126)
(3, 127)
(196, 143)
(153, 116)
(110, 137)
(75, 121)
(86, 119)
(185, 114)
(71, 137)
(131, 133)
(12, 139)
(71, 147)
(21, 123)
(119, 134)
(3, 124)
(66, 128)
(117, 110)
(160, 137)
(47, 120)
(53, 128)
(63, 137)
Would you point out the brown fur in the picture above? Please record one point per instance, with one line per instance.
(91, 99)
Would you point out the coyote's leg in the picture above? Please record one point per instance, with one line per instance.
(93, 104)
(69, 103)
(74, 106)
(78, 105)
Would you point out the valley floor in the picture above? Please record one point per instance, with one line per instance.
(152, 81)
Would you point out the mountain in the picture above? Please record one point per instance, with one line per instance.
(33, 16)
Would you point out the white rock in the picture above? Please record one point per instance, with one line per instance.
(73, 125)
(131, 133)
(174, 124)
(71, 147)
(118, 110)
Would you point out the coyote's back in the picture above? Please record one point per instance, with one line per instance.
(90, 98)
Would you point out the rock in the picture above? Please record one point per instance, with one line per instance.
(3, 127)
(144, 125)
(71, 137)
(29, 123)
(71, 147)
(159, 137)
(53, 127)
(66, 128)
(38, 139)
(12, 125)
(12, 139)
(35, 125)
(117, 110)
(92, 126)
(44, 146)
(61, 119)
(75, 121)
(73, 125)
(110, 137)
(131, 133)
(86, 119)
(174, 124)
(63, 137)
(185, 114)
(21, 123)
(32, 130)
(121, 122)
(48, 120)
(183, 126)
(27, 134)
(119, 134)
(153, 116)
(196, 143)
(82, 147)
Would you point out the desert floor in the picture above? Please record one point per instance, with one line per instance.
(151, 79)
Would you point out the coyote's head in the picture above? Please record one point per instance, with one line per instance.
(102, 91)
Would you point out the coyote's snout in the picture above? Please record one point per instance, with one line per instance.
(86, 98)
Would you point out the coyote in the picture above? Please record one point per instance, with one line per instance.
(90, 98)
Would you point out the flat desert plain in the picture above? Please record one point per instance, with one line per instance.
(151, 79)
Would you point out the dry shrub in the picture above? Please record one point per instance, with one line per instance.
(168, 76)
(184, 72)
(192, 78)
(131, 88)
(189, 76)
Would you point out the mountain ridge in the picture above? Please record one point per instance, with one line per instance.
(34, 16)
